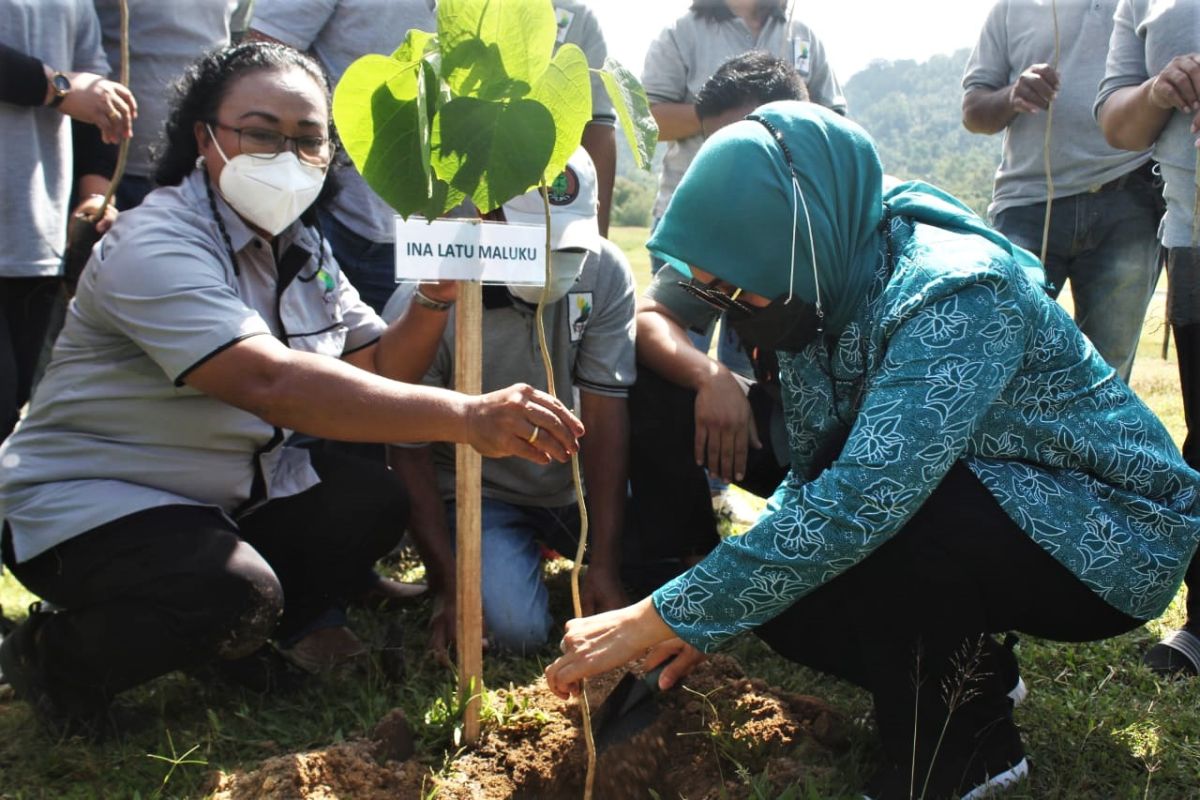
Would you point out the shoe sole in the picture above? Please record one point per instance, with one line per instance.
(1019, 692)
(1002, 782)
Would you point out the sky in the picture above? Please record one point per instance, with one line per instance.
(854, 32)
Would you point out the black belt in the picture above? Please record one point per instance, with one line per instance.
(1144, 173)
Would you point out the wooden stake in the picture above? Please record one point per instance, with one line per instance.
(468, 367)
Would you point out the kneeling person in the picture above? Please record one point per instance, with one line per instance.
(589, 325)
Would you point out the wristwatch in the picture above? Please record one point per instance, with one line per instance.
(60, 84)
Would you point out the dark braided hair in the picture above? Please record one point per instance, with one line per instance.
(201, 90)
(718, 11)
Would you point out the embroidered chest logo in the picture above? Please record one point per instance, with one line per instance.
(801, 55)
(565, 18)
(579, 313)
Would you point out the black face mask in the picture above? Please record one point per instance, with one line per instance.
(782, 325)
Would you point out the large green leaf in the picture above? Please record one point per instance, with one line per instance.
(495, 49)
(565, 89)
(492, 152)
(633, 110)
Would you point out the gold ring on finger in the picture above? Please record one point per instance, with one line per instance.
(533, 436)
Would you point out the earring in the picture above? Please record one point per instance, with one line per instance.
(200, 162)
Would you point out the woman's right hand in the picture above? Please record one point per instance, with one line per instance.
(108, 105)
(522, 421)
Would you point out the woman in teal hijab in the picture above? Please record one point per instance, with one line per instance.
(963, 463)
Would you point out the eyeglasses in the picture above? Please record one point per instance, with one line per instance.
(266, 143)
(712, 294)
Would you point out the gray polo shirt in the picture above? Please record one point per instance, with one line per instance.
(112, 428)
(577, 25)
(338, 32)
(688, 52)
(36, 172)
(1146, 35)
(1018, 34)
(165, 36)
(590, 336)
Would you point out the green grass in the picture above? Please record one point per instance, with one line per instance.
(1096, 724)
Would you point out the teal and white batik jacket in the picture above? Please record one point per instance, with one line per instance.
(954, 353)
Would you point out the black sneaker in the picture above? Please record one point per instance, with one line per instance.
(50, 712)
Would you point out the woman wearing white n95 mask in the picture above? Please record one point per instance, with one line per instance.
(149, 493)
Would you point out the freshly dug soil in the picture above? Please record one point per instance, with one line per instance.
(720, 720)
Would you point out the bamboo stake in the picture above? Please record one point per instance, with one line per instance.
(468, 366)
(1046, 143)
(1196, 204)
(576, 602)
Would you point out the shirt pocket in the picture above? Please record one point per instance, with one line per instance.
(328, 342)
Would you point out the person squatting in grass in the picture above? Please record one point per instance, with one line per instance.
(963, 461)
(589, 325)
(148, 494)
(1150, 97)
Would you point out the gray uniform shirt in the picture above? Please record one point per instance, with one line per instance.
(165, 36)
(590, 336)
(36, 172)
(687, 53)
(112, 428)
(1018, 34)
(577, 25)
(338, 32)
(1146, 35)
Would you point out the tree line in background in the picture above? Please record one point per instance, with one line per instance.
(913, 110)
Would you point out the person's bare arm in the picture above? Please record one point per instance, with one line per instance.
(408, 346)
(990, 111)
(600, 141)
(675, 120)
(297, 390)
(724, 420)
(605, 457)
(1133, 117)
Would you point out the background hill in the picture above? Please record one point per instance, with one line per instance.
(913, 110)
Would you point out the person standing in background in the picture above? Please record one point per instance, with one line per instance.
(35, 192)
(1105, 210)
(357, 223)
(577, 25)
(165, 36)
(1150, 97)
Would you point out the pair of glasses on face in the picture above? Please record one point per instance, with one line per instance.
(719, 295)
(266, 143)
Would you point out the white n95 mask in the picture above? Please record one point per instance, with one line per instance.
(269, 192)
(565, 267)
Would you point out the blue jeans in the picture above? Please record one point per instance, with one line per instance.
(515, 601)
(370, 266)
(1105, 243)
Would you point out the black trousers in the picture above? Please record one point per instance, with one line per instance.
(174, 587)
(26, 308)
(670, 513)
(912, 618)
(1183, 311)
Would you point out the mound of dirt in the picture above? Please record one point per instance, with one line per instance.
(718, 720)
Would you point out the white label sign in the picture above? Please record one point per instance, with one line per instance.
(457, 249)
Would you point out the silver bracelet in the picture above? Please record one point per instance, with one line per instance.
(424, 300)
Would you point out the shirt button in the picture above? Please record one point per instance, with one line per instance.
(258, 244)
